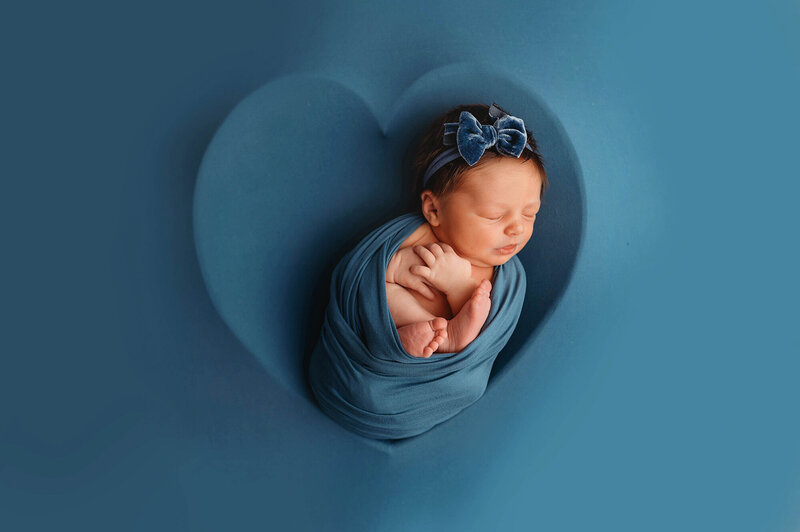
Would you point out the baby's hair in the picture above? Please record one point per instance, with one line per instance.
(449, 177)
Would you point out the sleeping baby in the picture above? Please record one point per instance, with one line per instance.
(438, 283)
(444, 281)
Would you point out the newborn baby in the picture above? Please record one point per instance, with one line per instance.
(439, 282)
(420, 283)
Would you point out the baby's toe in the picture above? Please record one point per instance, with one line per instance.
(484, 288)
(438, 324)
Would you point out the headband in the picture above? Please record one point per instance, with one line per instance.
(507, 135)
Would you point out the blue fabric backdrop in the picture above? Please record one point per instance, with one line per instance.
(655, 388)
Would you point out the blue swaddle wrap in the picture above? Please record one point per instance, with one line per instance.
(359, 371)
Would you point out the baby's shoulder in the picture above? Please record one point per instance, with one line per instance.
(422, 235)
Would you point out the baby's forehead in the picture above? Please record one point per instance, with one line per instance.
(486, 196)
(488, 189)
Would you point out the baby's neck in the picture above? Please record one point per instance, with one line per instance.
(483, 272)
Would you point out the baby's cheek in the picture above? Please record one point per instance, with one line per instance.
(527, 239)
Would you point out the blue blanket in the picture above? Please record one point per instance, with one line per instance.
(360, 373)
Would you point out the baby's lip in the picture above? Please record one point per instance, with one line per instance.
(508, 249)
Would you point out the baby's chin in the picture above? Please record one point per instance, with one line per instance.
(497, 260)
(502, 260)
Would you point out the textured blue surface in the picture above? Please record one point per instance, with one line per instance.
(659, 394)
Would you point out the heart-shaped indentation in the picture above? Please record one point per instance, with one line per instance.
(301, 170)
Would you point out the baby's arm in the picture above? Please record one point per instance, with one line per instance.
(446, 271)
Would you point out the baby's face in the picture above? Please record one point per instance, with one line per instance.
(489, 218)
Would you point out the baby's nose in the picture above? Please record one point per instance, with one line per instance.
(515, 228)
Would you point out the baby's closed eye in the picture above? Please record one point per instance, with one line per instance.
(497, 218)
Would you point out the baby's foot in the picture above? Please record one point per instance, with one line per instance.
(423, 338)
(466, 325)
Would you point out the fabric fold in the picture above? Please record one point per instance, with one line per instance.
(360, 373)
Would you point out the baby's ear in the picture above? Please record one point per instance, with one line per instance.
(430, 207)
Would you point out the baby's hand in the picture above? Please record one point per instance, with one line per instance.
(445, 270)
(398, 272)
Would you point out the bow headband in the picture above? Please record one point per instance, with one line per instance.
(472, 138)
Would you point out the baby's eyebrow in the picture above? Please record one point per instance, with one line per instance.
(506, 205)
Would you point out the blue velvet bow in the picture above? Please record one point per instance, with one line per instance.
(507, 134)
(473, 138)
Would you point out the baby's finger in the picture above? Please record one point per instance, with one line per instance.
(447, 247)
(422, 271)
(425, 254)
(436, 249)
